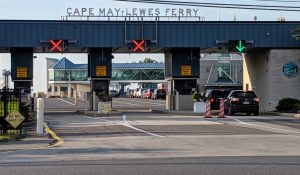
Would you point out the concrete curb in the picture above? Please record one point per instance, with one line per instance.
(281, 114)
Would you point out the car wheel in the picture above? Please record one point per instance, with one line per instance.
(256, 113)
(248, 113)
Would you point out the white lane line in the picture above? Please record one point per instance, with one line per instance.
(125, 103)
(127, 124)
(267, 127)
(67, 102)
(137, 101)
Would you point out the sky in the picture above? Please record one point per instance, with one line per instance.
(54, 9)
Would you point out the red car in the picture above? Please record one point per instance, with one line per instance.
(148, 94)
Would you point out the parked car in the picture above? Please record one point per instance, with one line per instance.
(148, 93)
(139, 93)
(143, 93)
(114, 93)
(159, 93)
(214, 95)
(242, 101)
(134, 94)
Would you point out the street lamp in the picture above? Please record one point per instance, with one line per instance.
(6, 73)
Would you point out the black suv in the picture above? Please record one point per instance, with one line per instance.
(214, 95)
(242, 101)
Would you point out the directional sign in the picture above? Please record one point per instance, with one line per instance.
(237, 46)
(186, 70)
(101, 71)
(22, 72)
(15, 118)
(240, 47)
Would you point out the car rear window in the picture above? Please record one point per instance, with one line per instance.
(219, 94)
(160, 90)
(248, 94)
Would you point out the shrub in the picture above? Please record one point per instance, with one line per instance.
(288, 105)
(196, 96)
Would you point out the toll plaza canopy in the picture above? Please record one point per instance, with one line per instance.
(81, 35)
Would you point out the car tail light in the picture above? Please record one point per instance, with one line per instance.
(235, 100)
(256, 100)
(212, 100)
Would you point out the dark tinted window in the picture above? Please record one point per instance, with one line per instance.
(160, 90)
(248, 94)
(219, 94)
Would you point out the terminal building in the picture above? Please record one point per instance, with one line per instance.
(66, 79)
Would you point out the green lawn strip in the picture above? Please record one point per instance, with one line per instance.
(7, 137)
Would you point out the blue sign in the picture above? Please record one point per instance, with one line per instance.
(290, 70)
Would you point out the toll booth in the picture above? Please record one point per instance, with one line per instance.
(99, 73)
(182, 72)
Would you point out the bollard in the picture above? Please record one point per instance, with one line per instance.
(99, 108)
(208, 112)
(40, 116)
(222, 109)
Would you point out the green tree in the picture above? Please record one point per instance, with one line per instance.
(296, 34)
(148, 60)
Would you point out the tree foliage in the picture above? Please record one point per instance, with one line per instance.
(148, 60)
(296, 34)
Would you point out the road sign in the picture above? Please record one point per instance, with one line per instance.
(186, 70)
(139, 45)
(22, 72)
(237, 46)
(101, 71)
(56, 45)
(15, 118)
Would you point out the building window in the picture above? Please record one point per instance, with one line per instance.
(207, 70)
(51, 75)
(223, 70)
(55, 89)
(50, 89)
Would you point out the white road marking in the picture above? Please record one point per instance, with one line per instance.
(125, 103)
(67, 102)
(267, 127)
(126, 123)
(137, 101)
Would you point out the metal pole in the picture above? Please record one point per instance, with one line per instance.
(40, 116)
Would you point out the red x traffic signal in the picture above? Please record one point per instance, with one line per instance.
(139, 45)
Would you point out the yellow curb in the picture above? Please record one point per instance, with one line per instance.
(59, 142)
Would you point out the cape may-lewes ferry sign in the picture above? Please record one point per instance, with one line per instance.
(106, 12)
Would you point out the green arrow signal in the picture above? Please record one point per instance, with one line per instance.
(240, 47)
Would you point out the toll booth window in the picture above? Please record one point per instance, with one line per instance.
(185, 87)
(223, 70)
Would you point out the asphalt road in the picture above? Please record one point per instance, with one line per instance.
(169, 166)
(65, 104)
(147, 143)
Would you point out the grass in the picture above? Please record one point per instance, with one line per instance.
(6, 137)
(11, 106)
